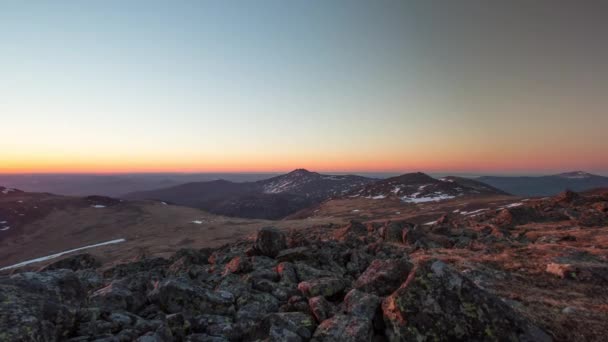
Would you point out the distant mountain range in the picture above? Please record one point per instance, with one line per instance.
(546, 185)
(271, 198)
(115, 184)
(283, 195)
(419, 187)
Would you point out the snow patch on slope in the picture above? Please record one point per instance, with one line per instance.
(53, 256)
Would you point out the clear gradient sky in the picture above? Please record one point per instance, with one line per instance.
(463, 86)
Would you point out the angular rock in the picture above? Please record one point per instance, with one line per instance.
(38, 306)
(293, 254)
(438, 303)
(326, 287)
(74, 263)
(270, 241)
(344, 328)
(287, 272)
(115, 297)
(393, 232)
(353, 231)
(321, 308)
(361, 304)
(305, 272)
(239, 264)
(383, 276)
(285, 324)
(179, 295)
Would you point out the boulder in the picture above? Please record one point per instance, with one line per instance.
(383, 276)
(287, 272)
(361, 304)
(326, 287)
(305, 272)
(285, 326)
(270, 241)
(351, 232)
(179, 295)
(74, 263)
(115, 297)
(293, 254)
(321, 308)
(438, 303)
(239, 264)
(393, 232)
(344, 328)
(39, 306)
(566, 197)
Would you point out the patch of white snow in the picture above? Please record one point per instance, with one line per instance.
(438, 197)
(53, 256)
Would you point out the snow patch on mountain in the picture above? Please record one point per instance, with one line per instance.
(433, 198)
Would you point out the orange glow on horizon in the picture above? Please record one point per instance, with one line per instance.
(383, 163)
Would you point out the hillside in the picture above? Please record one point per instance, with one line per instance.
(529, 270)
(273, 198)
(546, 185)
(419, 187)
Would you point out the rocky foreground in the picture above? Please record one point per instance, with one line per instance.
(391, 281)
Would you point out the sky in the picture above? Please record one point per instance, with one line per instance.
(328, 85)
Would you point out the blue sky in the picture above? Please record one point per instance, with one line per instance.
(274, 85)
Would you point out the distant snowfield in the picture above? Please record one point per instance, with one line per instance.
(53, 256)
(98, 206)
(436, 198)
(5, 228)
(512, 205)
(7, 190)
(197, 222)
(474, 212)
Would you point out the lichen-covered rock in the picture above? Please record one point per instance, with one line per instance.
(238, 264)
(351, 232)
(39, 306)
(344, 328)
(361, 304)
(285, 324)
(293, 254)
(305, 272)
(74, 263)
(393, 232)
(270, 241)
(325, 287)
(321, 308)
(179, 295)
(383, 276)
(438, 303)
(287, 272)
(114, 297)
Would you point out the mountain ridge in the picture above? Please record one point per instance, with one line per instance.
(548, 185)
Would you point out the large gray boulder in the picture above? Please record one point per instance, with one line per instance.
(270, 241)
(439, 304)
(383, 276)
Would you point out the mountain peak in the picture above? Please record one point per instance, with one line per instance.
(300, 171)
(415, 177)
(575, 175)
